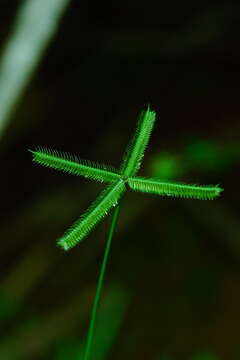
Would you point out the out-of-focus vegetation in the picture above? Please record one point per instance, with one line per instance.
(34, 26)
(172, 288)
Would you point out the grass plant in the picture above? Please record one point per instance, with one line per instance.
(118, 182)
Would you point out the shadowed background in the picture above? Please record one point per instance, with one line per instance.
(172, 287)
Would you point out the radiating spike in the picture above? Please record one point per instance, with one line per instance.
(135, 151)
(155, 186)
(92, 216)
(71, 164)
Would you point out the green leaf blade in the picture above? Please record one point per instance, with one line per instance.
(155, 186)
(71, 164)
(77, 232)
(135, 151)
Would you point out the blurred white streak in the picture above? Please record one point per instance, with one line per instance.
(35, 25)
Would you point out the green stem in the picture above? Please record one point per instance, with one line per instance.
(100, 285)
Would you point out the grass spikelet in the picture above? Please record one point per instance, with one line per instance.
(108, 198)
(135, 151)
(72, 164)
(155, 186)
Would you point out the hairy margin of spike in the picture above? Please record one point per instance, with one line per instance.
(72, 164)
(97, 210)
(135, 150)
(156, 186)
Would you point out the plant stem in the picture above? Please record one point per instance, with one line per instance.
(100, 285)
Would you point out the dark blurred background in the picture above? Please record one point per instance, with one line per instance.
(172, 288)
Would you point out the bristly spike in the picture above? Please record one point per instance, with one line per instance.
(92, 216)
(135, 151)
(120, 180)
(71, 164)
(158, 187)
